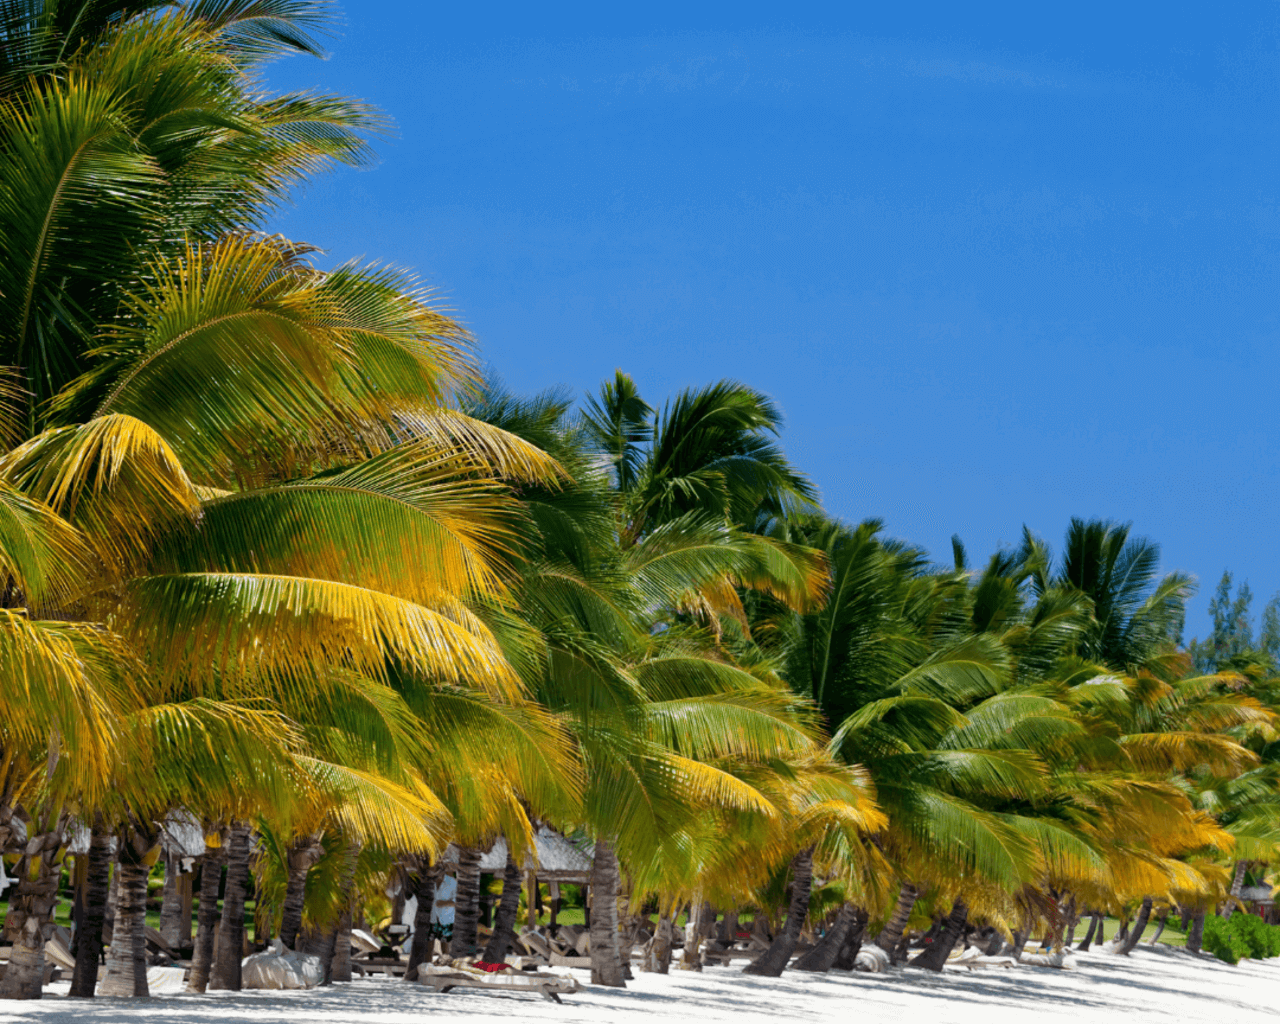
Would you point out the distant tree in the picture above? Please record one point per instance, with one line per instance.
(1232, 633)
(1269, 633)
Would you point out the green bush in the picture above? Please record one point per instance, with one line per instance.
(1243, 935)
(1262, 940)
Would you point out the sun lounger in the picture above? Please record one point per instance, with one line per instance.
(537, 946)
(560, 960)
(55, 951)
(363, 942)
(549, 986)
(972, 958)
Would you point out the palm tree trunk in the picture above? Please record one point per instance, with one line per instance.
(126, 973)
(891, 935)
(1020, 942)
(1139, 926)
(852, 944)
(171, 903)
(1088, 935)
(300, 859)
(773, 961)
(466, 916)
(1196, 935)
(206, 919)
(29, 922)
(606, 958)
(420, 950)
(505, 919)
(84, 979)
(226, 967)
(321, 945)
(1161, 921)
(1073, 918)
(935, 955)
(823, 956)
(700, 917)
(657, 959)
(340, 970)
(1237, 886)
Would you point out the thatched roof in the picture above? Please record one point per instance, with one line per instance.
(180, 832)
(1257, 894)
(558, 859)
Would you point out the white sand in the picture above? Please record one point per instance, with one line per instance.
(1149, 987)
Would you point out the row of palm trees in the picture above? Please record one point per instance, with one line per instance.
(276, 558)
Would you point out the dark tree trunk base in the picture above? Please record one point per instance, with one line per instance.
(420, 947)
(505, 919)
(935, 956)
(84, 980)
(773, 961)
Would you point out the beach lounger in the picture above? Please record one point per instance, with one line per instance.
(560, 960)
(549, 986)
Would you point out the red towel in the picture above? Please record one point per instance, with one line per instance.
(492, 968)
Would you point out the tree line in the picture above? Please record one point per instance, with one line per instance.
(277, 558)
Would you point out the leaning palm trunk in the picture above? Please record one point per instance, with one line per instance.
(504, 920)
(1094, 923)
(657, 955)
(29, 922)
(936, 954)
(606, 958)
(206, 919)
(1161, 921)
(1195, 936)
(891, 935)
(1139, 926)
(1237, 887)
(226, 967)
(823, 955)
(773, 961)
(126, 973)
(466, 915)
(84, 980)
(424, 888)
(847, 958)
(301, 858)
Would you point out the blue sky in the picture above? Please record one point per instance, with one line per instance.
(998, 264)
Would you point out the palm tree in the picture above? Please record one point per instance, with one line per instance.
(1136, 613)
(625, 618)
(130, 129)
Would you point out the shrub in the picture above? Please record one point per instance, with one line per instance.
(1243, 935)
(1262, 940)
(1222, 941)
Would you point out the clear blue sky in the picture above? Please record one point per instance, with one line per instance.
(998, 264)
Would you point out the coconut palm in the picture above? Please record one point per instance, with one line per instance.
(128, 130)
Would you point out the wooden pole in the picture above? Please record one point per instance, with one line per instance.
(531, 883)
(186, 892)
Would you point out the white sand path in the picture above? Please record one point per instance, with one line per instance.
(1149, 987)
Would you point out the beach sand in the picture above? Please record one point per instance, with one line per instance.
(1151, 986)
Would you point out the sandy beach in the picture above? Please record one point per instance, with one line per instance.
(1150, 987)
